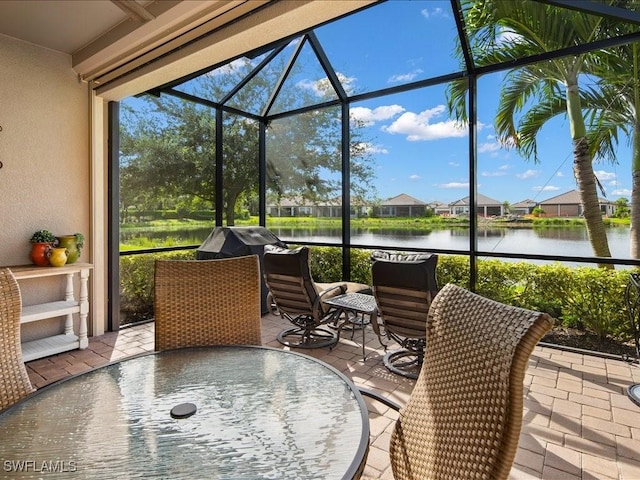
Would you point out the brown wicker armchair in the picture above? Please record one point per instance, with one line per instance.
(14, 381)
(207, 302)
(464, 415)
(404, 286)
(296, 297)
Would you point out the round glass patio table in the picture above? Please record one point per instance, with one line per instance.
(260, 413)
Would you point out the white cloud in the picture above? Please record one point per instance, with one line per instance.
(322, 87)
(508, 36)
(404, 77)
(418, 126)
(528, 174)
(559, 174)
(414, 177)
(454, 185)
(435, 12)
(623, 192)
(504, 167)
(548, 188)
(369, 148)
(347, 82)
(494, 174)
(605, 176)
(231, 67)
(368, 116)
(454, 164)
(488, 147)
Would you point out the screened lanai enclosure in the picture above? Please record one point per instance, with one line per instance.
(499, 134)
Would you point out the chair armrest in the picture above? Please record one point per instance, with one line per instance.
(271, 305)
(376, 396)
(332, 291)
(341, 286)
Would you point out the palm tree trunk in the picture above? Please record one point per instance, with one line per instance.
(586, 182)
(634, 232)
(584, 174)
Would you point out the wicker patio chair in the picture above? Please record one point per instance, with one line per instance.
(404, 286)
(207, 302)
(632, 301)
(14, 381)
(463, 418)
(295, 296)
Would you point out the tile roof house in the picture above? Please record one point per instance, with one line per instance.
(402, 205)
(487, 207)
(524, 207)
(568, 205)
(303, 207)
(439, 208)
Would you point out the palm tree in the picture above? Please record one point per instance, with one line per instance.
(503, 31)
(614, 107)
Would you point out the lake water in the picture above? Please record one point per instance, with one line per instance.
(540, 241)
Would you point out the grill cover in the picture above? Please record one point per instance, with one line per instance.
(226, 242)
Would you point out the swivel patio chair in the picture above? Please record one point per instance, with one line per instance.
(404, 286)
(632, 301)
(296, 297)
(207, 302)
(14, 380)
(463, 418)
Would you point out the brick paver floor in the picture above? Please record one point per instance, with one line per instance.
(578, 421)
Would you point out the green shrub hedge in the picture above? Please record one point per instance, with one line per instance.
(585, 298)
(136, 283)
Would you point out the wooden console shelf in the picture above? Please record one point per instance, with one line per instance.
(67, 307)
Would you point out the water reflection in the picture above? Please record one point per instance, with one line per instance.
(186, 236)
(572, 234)
(550, 241)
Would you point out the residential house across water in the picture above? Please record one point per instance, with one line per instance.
(404, 205)
(568, 205)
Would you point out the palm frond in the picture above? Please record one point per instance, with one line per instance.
(519, 86)
(535, 118)
(457, 99)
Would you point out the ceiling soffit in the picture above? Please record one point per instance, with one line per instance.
(153, 31)
(226, 40)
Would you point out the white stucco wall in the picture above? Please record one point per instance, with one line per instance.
(44, 149)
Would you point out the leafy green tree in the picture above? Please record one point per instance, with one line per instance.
(504, 31)
(622, 208)
(537, 211)
(168, 148)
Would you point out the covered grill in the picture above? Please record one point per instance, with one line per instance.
(226, 242)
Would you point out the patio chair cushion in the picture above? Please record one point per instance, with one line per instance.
(296, 260)
(292, 263)
(295, 296)
(417, 270)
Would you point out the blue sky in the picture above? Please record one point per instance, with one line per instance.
(419, 149)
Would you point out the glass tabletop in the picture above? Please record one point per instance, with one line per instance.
(260, 413)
